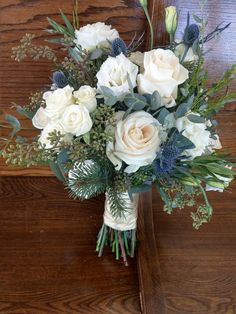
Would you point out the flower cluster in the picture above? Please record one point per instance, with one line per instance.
(138, 119)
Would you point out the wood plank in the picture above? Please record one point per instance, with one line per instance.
(48, 261)
(151, 292)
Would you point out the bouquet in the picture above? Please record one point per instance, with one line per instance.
(116, 120)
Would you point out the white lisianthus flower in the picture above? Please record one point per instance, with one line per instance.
(76, 120)
(86, 96)
(225, 183)
(97, 35)
(114, 74)
(57, 101)
(198, 134)
(179, 52)
(51, 127)
(136, 141)
(162, 73)
(40, 119)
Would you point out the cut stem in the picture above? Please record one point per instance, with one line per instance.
(145, 9)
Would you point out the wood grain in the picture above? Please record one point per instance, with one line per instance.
(150, 283)
(48, 262)
(198, 268)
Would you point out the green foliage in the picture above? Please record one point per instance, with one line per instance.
(57, 28)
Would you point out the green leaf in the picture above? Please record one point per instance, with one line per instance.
(95, 54)
(75, 54)
(68, 24)
(164, 196)
(27, 113)
(14, 122)
(162, 115)
(195, 118)
(197, 19)
(57, 171)
(183, 142)
(21, 139)
(109, 97)
(155, 101)
(57, 27)
(136, 101)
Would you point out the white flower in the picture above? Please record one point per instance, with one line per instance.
(53, 126)
(57, 101)
(137, 140)
(224, 184)
(114, 74)
(95, 35)
(111, 145)
(198, 134)
(86, 96)
(179, 52)
(162, 73)
(40, 119)
(76, 120)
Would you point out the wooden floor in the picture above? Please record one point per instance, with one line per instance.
(47, 259)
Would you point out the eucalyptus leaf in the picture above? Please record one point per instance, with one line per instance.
(14, 122)
(162, 115)
(95, 54)
(155, 101)
(183, 142)
(136, 101)
(57, 171)
(27, 113)
(195, 118)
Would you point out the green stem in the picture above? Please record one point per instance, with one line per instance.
(185, 54)
(150, 26)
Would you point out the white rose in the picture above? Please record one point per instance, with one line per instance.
(53, 126)
(198, 134)
(162, 73)
(137, 140)
(95, 35)
(86, 96)
(76, 120)
(40, 119)
(111, 145)
(57, 101)
(114, 74)
(179, 52)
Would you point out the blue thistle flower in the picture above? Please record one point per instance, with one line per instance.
(191, 33)
(118, 47)
(163, 166)
(59, 79)
(170, 152)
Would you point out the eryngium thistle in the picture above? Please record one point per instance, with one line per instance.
(170, 152)
(60, 79)
(118, 47)
(191, 33)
